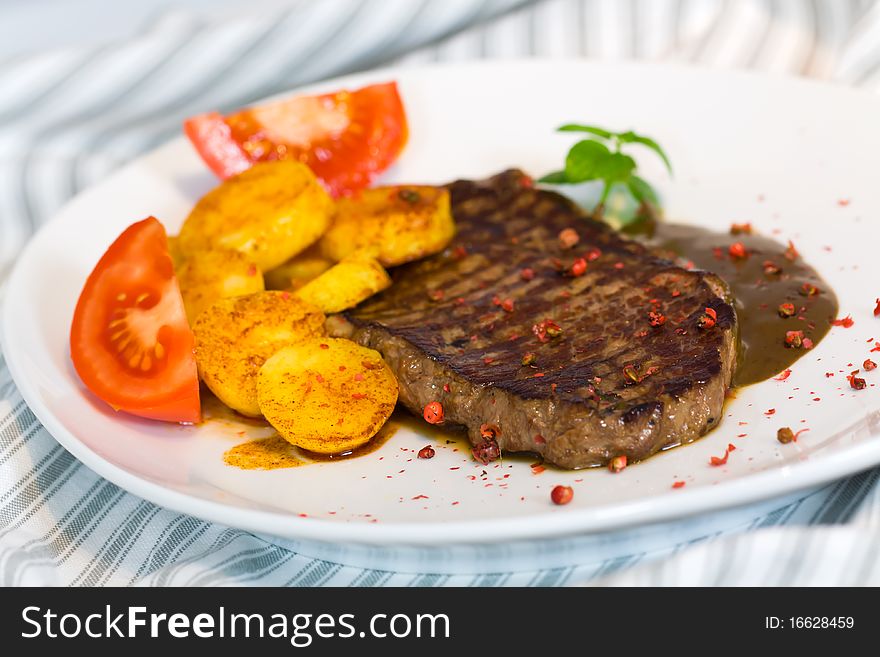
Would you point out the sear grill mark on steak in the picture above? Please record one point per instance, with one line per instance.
(608, 384)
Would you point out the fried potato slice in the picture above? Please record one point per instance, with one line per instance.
(395, 224)
(174, 251)
(345, 284)
(214, 275)
(327, 395)
(269, 212)
(234, 337)
(298, 271)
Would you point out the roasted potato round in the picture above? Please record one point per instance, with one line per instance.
(174, 251)
(234, 337)
(269, 212)
(394, 224)
(298, 271)
(213, 275)
(345, 284)
(326, 395)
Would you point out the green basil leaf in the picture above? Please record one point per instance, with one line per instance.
(593, 130)
(616, 167)
(585, 161)
(629, 137)
(554, 177)
(642, 191)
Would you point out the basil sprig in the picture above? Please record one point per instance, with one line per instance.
(599, 158)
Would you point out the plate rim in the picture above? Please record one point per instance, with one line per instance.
(643, 511)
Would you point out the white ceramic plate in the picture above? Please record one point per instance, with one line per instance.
(797, 159)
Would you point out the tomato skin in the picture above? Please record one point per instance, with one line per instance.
(347, 138)
(130, 342)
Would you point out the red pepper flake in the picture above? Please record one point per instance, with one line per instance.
(459, 252)
(529, 359)
(540, 440)
(488, 360)
(738, 251)
(359, 395)
(527, 273)
(676, 293)
(489, 431)
(546, 330)
(617, 464)
(809, 290)
(791, 253)
(507, 305)
(771, 268)
(786, 310)
(770, 411)
(579, 267)
(319, 378)
(869, 365)
(877, 308)
(426, 452)
(843, 202)
(593, 254)
(798, 433)
(526, 182)
(562, 495)
(445, 387)
(252, 270)
(421, 497)
(741, 229)
(716, 461)
(678, 484)
(537, 468)
(618, 265)
(846, 322)
(436, 295)
(876, 347)
(794, 339)
(782, 375)
(285, 295)
(568, 237)
(656, 319)
(358, 377)
(433, 412)
(808, 344)
(708, 319)
(855, 382)
(538, 375)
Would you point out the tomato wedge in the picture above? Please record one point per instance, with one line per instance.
(130, 342)
(347, 138)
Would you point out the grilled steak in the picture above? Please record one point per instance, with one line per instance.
(508, 334)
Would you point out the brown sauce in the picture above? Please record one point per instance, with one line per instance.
(757, 295)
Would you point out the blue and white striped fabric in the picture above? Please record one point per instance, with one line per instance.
(72, 112)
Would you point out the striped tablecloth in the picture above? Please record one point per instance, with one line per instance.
(92, 87)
